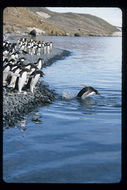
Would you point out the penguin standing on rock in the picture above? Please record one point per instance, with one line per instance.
(8, 71)
(14, 75)
(7, 67)
(22, 59)
(6, 75)
(39, 63)
(34, 77)
(22, 79)
(5, 61)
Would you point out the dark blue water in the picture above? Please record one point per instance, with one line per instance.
(72, 141)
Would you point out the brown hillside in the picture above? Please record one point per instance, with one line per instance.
(20, 19)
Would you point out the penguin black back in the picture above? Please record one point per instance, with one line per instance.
(87, 90)
(81, 92)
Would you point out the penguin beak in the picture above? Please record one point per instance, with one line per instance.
(98, 93)
(42, 74)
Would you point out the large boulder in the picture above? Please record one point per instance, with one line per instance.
(77, 34)
(33, 33)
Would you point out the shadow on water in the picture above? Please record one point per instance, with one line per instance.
(34, 117)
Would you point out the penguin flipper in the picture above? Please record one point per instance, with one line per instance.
(81, 92)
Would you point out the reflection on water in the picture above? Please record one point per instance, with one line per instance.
(72, 140)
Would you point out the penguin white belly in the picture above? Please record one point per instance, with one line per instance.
(12, 57)
(51, 46)
(31, 71)
(7, 69)
(45, 49)
(5, 76)
(16, 56)
(34, 82)
(13, 81)
(25, 48)
(33, 50)
(85, 95)
(48, 49)
(28, 50)
(13, 68)
(27, 67)
(39, 65)
(22, 81)
(22, 48)
(37, 51)
(5, 53)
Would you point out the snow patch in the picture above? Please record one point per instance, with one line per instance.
(44, 15)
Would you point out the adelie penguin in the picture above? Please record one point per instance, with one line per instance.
(22, 59)
(9, 70)
(39, 63)
(5, 61)
(87, 91)
(22, 79)
(8, 66)
(34, 77)
(14, 75)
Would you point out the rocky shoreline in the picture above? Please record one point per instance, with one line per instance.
(16, 105)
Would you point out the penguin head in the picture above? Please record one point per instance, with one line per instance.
(17, 53)
(23, 70)
(39, 72)
(91, 89)
(40, 59)
(5, 60)
(96, 92)
(22, 59)
(12, 61)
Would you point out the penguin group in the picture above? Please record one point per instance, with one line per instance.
(34, 47)
(18, 73)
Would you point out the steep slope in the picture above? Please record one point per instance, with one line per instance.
(83, 24)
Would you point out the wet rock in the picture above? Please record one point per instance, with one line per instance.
(19, 104)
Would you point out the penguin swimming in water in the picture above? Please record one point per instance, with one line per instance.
(87, 91)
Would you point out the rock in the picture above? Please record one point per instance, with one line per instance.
(33, 33)
(77, 34)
